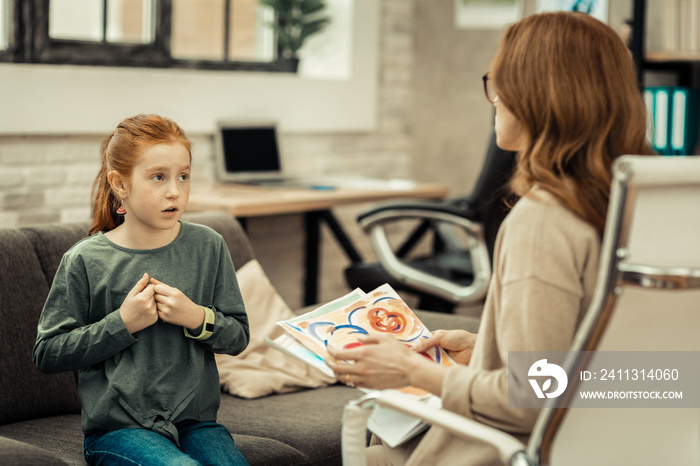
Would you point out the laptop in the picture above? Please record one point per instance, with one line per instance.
(248, 152)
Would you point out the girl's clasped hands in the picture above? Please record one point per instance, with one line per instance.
(150, 300)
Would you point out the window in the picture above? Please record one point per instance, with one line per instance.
(88, 100)
(108, 21)
(7, 30)
(221, 30)
(4, 26)
(209, 34)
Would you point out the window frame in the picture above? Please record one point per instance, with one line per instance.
(30, 43)
(13, 52)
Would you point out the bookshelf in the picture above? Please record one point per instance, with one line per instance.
(668, 71)
(671, 57)
(676, 44)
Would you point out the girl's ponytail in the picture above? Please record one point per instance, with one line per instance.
(104, 202)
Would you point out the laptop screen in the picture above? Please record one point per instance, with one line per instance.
(246, 151)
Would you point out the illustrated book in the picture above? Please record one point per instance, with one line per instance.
(339, 322)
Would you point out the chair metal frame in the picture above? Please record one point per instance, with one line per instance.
(464, 230)
(616, 273)
(418, 279)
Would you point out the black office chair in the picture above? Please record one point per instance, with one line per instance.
(459, 269)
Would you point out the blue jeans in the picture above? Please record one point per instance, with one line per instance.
(201, 443)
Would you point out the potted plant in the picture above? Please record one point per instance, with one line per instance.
(296, 21)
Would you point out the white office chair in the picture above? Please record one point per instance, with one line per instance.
(647, 299)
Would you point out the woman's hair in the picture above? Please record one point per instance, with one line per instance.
(570, 81)
(121, 151)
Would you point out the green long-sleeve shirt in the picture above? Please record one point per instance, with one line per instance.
(157, 376)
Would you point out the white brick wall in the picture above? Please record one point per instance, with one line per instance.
(48, 179)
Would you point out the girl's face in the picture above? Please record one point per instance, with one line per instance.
(159, 188)
(509, 131)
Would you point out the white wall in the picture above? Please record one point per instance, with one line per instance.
(54, 99)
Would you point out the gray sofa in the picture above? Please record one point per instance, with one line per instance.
(40, 414)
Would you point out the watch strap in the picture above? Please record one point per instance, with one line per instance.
(207, 326)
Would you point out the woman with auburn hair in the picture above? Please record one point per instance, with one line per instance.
(128, 311)
(575, 93)
(566, 99)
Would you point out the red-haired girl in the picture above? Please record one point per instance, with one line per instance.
(140, 307)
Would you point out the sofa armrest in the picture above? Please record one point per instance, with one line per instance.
(20, 453)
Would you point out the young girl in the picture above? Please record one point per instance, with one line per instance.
(566, 98)
(140, 307)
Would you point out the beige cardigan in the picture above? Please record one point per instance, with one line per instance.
(545, 268)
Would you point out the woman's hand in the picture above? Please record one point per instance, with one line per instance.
(139, 310)
(384, 362)
(174, 307)
(459, 344)
(379, 362)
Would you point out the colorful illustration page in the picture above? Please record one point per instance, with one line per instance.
(380, 311)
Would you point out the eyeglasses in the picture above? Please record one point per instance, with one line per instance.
(490, 92)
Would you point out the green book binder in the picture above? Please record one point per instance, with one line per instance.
(673, 118)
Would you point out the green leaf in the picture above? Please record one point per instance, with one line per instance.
(287, 19)
(296, 21)
(311, 28)
(309, 7)
(322, 22)
(277, 5)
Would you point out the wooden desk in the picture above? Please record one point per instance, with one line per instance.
(243, 201)
(253, 201)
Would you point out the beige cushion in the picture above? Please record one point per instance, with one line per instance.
(261, 370)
